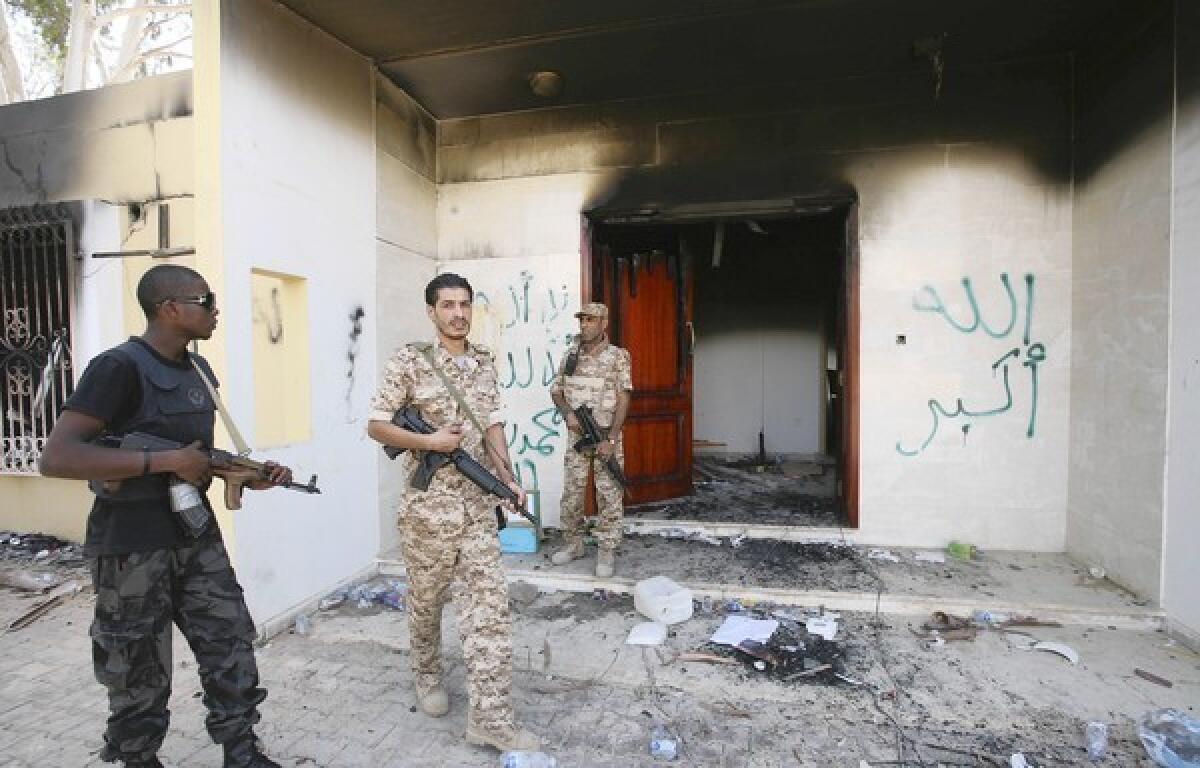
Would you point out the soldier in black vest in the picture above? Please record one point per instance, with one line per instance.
(147, 571)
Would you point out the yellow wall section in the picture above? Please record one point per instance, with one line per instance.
(38, 504)
(279, 304)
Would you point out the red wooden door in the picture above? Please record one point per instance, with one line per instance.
(650, 298)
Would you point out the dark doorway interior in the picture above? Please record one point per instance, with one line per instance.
(756, 337)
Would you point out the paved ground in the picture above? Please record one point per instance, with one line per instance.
(341, 695)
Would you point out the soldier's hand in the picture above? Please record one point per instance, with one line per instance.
(192, 464)
(573, 422)
(605, 449)
(275, 474)
(446, 439)
(517, 489)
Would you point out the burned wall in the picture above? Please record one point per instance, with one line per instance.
(1120, 306)
(406, 249)
(122, 143)
(965, 240)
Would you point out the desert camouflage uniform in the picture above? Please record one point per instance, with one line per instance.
(597, 380)
(448, 532)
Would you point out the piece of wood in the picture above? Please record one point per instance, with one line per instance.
(1165, 683)
(710, 658)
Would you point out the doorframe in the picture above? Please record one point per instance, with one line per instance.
(849, 468)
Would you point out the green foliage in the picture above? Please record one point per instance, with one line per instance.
(51, 18)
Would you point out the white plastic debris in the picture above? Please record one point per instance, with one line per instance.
(647, 633)
(930, 556)
(1062, 649)
(882, 554)
(1018, 761)
(660, 599)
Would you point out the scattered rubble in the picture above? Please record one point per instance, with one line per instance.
(39, 548)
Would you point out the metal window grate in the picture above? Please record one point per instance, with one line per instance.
(35, 346)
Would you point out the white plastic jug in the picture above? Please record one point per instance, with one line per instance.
(660, 599)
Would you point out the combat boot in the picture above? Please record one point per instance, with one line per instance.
(151, 762)
(606, 561)
(244, 752)
(508, 738)
(573, 551)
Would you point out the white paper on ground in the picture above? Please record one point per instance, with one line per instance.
(739, 628)
(932, 556)
(826, 626)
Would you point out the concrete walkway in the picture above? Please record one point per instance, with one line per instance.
(340, 696)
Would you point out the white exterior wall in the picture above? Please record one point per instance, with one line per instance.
(1181, 566)
(298, 196)
(1122, 288)
(931, 218)
(406, 250)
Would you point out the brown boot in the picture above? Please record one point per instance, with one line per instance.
(573, 551)
(606, 561)
(508, 738)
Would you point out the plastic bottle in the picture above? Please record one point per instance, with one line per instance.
(528, 760)
(663, 744)
(303, 625)
(1096, 736)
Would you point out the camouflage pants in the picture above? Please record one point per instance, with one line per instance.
(609, 498)
(138, 597)
(448, 539)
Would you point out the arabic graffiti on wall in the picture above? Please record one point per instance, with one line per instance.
(524, 312)
(1026, 355)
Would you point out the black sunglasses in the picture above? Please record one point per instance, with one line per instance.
(207, 300)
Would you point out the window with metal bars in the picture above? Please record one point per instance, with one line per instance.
(35, 346)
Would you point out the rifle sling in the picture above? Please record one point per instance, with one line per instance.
(239, 443)
(454, 392)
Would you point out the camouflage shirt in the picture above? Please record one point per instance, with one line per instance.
(409, 380)
(597, 380)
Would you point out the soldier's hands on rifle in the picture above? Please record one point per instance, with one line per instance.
(517, 489)
(191, 463)
(445, 440)
(277, 474)
(573, 422)
(605, 449)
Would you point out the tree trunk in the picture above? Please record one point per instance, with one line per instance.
(79, 44)
(131, 42)
(12, 87)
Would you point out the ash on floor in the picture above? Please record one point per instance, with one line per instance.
(776, 493)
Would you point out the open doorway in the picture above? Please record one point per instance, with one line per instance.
(742, 331)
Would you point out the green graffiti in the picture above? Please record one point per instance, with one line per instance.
(936, 305)
(928, 300)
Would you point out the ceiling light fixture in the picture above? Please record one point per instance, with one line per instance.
(546, 84)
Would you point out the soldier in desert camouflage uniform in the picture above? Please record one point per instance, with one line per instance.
(602, 379)
(448, 531)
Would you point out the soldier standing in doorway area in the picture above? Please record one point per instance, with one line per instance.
(448, 532)
(597, 374)
(146, 571)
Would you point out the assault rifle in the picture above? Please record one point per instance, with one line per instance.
(235, 470)
(409, 418)
(593, 435)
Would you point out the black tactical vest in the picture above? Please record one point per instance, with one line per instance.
(176, 405)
